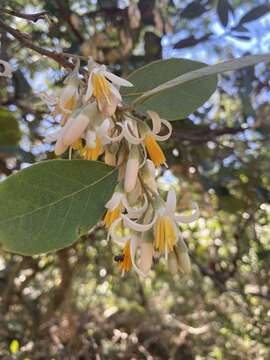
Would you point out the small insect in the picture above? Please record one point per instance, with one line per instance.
(119, 258)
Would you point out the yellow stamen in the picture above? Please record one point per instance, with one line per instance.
(154, 150)
(111, 216)
(92, 154)
(165, 234)
(101, 87)
(126, 264)
(77, 145)
(70, 103)
(68, 107)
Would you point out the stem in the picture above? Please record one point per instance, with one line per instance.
(58, 57)
(31, 17)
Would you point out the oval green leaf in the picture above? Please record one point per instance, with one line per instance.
(47, 206)
(9, 128)
(172, 104)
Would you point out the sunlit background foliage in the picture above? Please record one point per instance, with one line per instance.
(74, 304)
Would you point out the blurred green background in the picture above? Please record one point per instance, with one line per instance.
(74, 304)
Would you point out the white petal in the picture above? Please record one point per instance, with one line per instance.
(133, 247)
(138, 227)
(116, 93)
(186, 219)
(75, 129)
(171, 202)
(91, 139)
(7, 69)
(116, 238)
(114, 201)
(89, 91)
(60, 147)
(130, 138)
(134, 213)
(156, 121)
(167, 136)
(151, 167)
(117, 79)
(117, 137)
(68, 92)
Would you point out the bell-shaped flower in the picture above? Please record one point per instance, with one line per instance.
(68, 98)
(131, 243)
(149, 137)
(95, 139)
(164, 223)
(103, 85)
(66, 101)
(73, 129)
(6, 69)
(118, 204)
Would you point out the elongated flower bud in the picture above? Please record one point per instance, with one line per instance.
(146, 256)
(183, 259)
(75, 129)
(173, 263)
(60, 148)
(184, 262)
(132, 169)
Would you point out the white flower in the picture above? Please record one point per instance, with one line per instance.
(7, 69)
(118, 204)
(73, 129)
(102, 84)
(140, 133)
(95, 139)
(164, 223)
(69, 96)
(130, 243)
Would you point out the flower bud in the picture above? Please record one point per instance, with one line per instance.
(184, 263)
(172, 263)
(75, 128)
(146, 256)
(132, 169)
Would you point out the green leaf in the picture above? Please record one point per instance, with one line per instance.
(47, 206)
(175, 103)
(199, 75)
(255, 14)
(9, 128)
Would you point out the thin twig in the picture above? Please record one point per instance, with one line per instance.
(58, 57)
(31, 17)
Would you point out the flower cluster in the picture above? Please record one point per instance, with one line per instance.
(95, 123)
